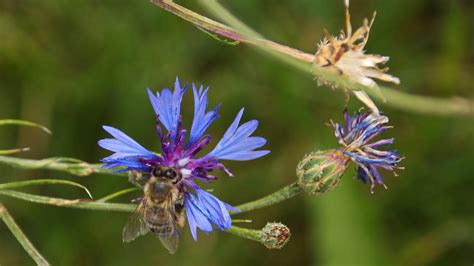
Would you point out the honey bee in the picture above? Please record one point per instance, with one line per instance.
(160, 209)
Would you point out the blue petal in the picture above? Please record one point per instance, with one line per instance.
(122, 143)
(132, 163)
(367, 160)
(201, 120)
(203, 210)
(215, 209)
(127, 152)
(196, 218)
(191, 220)
(362, 175)
(167, 105)
(236, 144)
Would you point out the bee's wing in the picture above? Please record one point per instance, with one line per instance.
(171, 242)
(136, 225)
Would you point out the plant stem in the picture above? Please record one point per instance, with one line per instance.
(69, 165)
(304, 61)
(36, 182)
(272, 236)
(21, 237)
(252, 234)
(256, 235)
(117, 194)
(75, 203)
(228, 32)
(274, 198)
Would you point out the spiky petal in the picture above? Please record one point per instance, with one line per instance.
(356, 135)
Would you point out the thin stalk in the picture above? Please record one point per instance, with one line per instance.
(274, 198)
(75, 203)
(225, 15)
(117, 194)
(252, 234)
(256, 235)
(69, 165)
(21, 237)
(304, 61)
(12, 151)
(228, 32)
(272, 236)
(35, 182)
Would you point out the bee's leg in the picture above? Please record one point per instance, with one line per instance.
(179, 207)
(138, 178)
(181, 219)
(135, 200)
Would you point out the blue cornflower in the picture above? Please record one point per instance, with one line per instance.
(203, 210)
(355, 138)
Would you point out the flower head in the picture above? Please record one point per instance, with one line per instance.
(203, 210)
(275, 235)
(356, 139)
(345, 55)
(321, 171)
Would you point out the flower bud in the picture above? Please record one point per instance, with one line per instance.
(321, 171)
(275, 235)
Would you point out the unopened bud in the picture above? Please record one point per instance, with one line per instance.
(275, 235)
(321, 171)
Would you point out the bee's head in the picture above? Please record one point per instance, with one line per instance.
(167, 174)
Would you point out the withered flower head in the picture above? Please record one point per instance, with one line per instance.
(345, 55)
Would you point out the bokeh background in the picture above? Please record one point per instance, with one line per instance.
(76, 65)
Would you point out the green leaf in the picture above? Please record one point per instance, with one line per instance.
(19, 184)
(23, 123)
(21, 237)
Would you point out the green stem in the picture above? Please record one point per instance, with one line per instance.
(272, 236)
(12, 151)
(274, 198)
(117, 194)
(304, 61)
(221, 12)
(21, 237)
(252, 234)
(69, 165)
(228, 32)
(35, 182)
(256, 235)
(76, 203)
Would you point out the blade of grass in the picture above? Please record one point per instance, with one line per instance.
(21, 237)
(23, 123)
(35, 182)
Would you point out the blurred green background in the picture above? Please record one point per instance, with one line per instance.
(76, 65)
